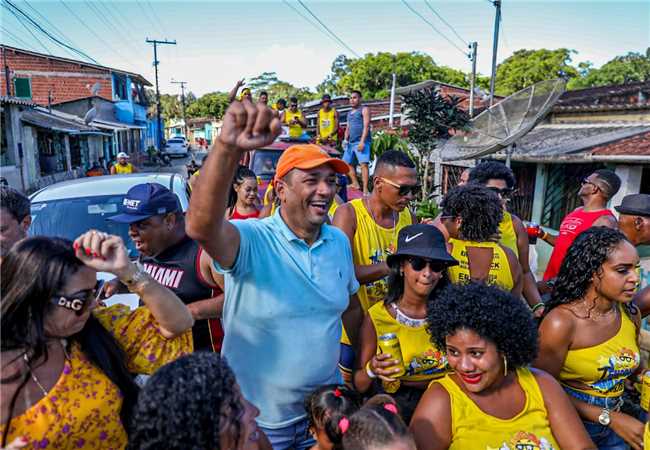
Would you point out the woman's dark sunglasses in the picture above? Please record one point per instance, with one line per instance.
(79, 301)
(418, 264)
(505, 192)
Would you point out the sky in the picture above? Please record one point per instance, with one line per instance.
(219, 42)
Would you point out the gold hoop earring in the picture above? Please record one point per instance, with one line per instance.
(505, 366)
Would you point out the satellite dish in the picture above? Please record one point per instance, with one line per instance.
(90, 115)
(502, 124)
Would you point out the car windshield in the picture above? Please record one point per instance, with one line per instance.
(176, 141)
(69, 218)
(264, 163)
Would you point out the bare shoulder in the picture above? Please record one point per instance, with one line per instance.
(518, 224)
(345, 215)
(545, 380)
(560, 322)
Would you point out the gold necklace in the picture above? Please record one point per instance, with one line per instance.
(64, 344)
(366, 202)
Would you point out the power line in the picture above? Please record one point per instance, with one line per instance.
(15, 37)
(340, 41)
(312, 23)
(155, 16)
(426, 2)
(61, 34)
(424, 19)
(48, 34)
(20, 21)
(146, 14)
(97, 36)
(107, 19)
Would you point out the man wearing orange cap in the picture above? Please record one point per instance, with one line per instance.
(289, 278)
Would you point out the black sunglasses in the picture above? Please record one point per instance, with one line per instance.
(418, 263)
(79, 301)
(505, 192)
(403, 189)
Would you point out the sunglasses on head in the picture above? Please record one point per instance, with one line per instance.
(79, 301)
(505, 192)
(418, 263)
(403, 189)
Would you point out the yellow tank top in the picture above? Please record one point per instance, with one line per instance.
(646, 435)
(372, 244)
(326, 123)
(295, 131)
(604, 367)
(471, 428)
(508, 235)
(120, 169)
(333, 207)
(422, 360)
(500, 273)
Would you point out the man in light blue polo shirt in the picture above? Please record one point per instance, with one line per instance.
(289, 278)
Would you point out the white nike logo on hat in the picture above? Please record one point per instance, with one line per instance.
(408, 239)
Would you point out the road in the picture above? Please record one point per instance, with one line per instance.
(178, 164)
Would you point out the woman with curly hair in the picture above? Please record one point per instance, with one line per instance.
(66, 363)
(470, 217)
(491, 399)
(195, 403)
(417, 275)
(588, 337)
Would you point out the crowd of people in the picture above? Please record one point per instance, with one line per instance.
(309, 322)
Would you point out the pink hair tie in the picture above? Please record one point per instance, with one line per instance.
(344, 424)
(337, 392)
(390, 407)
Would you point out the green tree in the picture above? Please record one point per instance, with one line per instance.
(372, 74)
(622, 69)
(432, 117)
(170, 106)
(213, 104)
(526, 67)
(262, 82)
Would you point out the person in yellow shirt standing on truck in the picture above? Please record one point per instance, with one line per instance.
(294, 118)
(328, 122)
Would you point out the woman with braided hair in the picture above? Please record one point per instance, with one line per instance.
(589, 335)
(195, 403)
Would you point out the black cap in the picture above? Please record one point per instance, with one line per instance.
(326, 97)
(635, 205)
(146, 200)
(421, 240)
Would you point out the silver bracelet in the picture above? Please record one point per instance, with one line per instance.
(369, 371)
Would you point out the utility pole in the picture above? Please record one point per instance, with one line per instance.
(7, 72)
(473, 46)
(495, 46)
(391, 110)
(182, 83)
(155, 64)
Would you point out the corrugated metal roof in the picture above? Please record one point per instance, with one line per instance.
(52, 122)
(16, 101)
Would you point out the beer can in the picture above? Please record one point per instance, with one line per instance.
(388, 343)
(645, 390)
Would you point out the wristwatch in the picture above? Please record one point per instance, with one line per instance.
(604, 419)
(139, 275)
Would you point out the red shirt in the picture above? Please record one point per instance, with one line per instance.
(236, 215)
(572, 225)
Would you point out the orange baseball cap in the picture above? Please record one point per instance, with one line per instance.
(307, 156)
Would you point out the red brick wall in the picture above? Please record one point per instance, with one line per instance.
(63, 87)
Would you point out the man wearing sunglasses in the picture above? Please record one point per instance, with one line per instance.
(157, 228)
(500, 179)
(372, 225)
(595, 191)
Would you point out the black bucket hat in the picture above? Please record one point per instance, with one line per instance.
(422, 240)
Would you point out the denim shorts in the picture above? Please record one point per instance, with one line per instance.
(352, 153)
(292, 437)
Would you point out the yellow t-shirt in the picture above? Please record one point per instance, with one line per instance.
(500, 273)
(84, 405)
(326, 122)
(422, 360)
(646, 435)
(120, 169)
(604, 367)
(372, 244)
(471, 428)
(295, 131)
(508, 236)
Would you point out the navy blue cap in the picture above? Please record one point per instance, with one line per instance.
(146, 200)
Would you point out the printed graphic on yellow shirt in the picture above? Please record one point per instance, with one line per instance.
(377, 290)
(464, 277)
(431, 362)
(525, 441)
(615, 369)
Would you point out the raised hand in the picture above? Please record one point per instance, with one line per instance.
(247, 126)
(102, 252)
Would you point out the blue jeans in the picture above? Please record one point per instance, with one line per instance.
(604, 437)
(293, 437)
